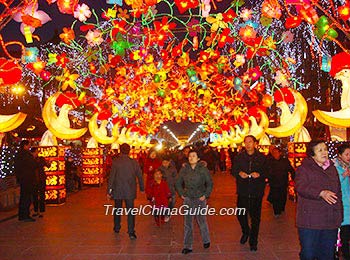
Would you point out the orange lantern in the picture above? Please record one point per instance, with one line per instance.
(55, 177)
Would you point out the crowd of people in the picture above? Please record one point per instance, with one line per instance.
(322, 186)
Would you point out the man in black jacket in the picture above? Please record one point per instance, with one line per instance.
(25, 167)
(122, 186)
(249, 168)
(278, 179)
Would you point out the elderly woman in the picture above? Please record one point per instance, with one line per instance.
(342, 163)
(319, 209)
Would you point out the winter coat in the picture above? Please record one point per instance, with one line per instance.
(122, 180)
(161, 193)
(278, 172)
(25, 167)
(313, 212)
(194, 183)
(169, 175)
(345, 189)
(244, 162)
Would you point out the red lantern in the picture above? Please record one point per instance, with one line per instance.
(67, 6)
(10, 72)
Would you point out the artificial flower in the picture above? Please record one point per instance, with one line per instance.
(216, 22)
(94, 37)
(82, 12)
(68, 35)
(67, 79)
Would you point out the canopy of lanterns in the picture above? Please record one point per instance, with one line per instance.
(143, 62)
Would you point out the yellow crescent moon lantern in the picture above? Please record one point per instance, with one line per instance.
(11, 122)
(100, 133)
(340, 69)
(290, 122)
(60, 125)
(258, 130)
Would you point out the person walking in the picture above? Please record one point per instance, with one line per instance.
(25, 167)
(169, 175)
(40, 184)
(319, 206)
(342, 164)
(250, 170)
(122, 186)
(150, 164)
(194, 185)
(278, 176)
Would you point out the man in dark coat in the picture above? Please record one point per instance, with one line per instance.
(279, 168)
(25, 167)
(249, 168)
(122, 186)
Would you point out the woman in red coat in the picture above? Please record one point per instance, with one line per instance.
(160, 195)
(151, 163)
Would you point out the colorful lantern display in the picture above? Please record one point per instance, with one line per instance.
(55, 176)
(93, 166)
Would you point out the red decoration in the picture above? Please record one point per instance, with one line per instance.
(184, 5)
(344, 12)
(104, 114)
(339, 62)
(69, 98)
(284, 94)
(67, 6)
(45, 75)
(10, 72)
(292, 22)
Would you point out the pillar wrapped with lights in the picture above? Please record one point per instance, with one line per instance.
(93, 166)
(55, 176)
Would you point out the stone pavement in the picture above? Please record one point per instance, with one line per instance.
(79, 229)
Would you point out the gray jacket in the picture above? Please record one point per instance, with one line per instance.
(122, 180)
(194, 183)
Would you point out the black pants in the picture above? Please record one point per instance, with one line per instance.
(39, 199)
(345, 238)
(129, 204)
(25, 199)
(278, 199)
(253, 208)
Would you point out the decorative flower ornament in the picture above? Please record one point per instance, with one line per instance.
(94, 37)
(31, 17)
(82, 13)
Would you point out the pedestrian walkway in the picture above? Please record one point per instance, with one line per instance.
(80, 229)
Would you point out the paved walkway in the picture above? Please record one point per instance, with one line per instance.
(80, 230)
